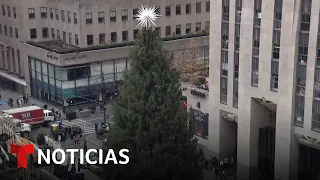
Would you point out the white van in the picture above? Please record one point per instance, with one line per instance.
(48, 116)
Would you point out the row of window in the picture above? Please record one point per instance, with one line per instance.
(8, 59)
(8, 31)
(55, 34)
(7, 11)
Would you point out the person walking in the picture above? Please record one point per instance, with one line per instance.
(96, 127)
(18, 102)
(27, 98)
(24, 99)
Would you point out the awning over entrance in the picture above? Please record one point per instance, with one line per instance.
(307, 141)
(68, 94)
(13, 77)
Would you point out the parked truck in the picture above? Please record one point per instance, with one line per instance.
(32, 115)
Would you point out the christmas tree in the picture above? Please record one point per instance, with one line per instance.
(149, 121)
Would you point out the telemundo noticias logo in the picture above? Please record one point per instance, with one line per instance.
(58, 156)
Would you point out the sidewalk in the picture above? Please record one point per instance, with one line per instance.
(6, 94)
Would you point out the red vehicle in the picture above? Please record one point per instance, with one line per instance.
(31, 115)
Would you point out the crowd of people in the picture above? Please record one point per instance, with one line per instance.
(20, 101)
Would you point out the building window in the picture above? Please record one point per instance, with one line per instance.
(168, 10)
(276, 44)
(255, 72)
(178, 29)
(305, 15)
(277, 14)
(303, 47)
(57, 14)
(19, 61)
(225, 35)
(101, 17)
(124, 36)
(88, 18)
(75, 19)
(9, 11)
(316, 116)
(76, 39)
(64, 36)
(158, 31)
(33, 33)
(158, 11)
(178, 9)
(188, 8)
(63, 18)
(5, 30)
(3, 10)
(69, 16)
(14, 12)
(13, 60)
(207, 26)
(70, 38)
(238, 11)
(8, 59)
(236, 66)
(17, 33)
(198, 7)
(223, 90)
(299, 110)
(32, 13)
(134, 13)
(135, 33)
(274, 75)
(51, 13)
(317, 84)
(11, 32)
(208, 6)
(256, 41)
(113, 17)
(225, 10)
(102, 38)
(124, 15)
(89, 39)
(188, 28)
(235, 93)
(257, 12)
(45, 33)
(43, 12)
(224, 63)
(198, 26)
(113, 37)
(237, 37)
(52, 33)
(301, 79)
(168, 30)
(58, 35)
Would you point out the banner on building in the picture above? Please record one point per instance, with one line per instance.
(201, 122)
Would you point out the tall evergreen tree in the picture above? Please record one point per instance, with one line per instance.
(149, 121)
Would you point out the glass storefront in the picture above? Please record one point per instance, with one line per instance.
(77, 83)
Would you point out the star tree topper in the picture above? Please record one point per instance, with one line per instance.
(147, 16)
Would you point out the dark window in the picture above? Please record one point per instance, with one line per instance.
(101, 17)
(32, 13)
(52, 33)
(33, 33)
(236, 65)
(223, 90)
(14, 12)
(125, 36)
(63, 17)
(51, 13)
(113, 16)
(255, 72)
(69, 16)
(178, 29)
(158, 11)
(168, 30)
(113, 37)
(43, 12)
(188, 8)
(89, 39)
(3, 10)
(257, 12)
(276, 44)
(277, 14)
(45, 33)
(19, 61)
(102, 38)
(58, 34)
(225, 10)
(124, 15)
(198, 7)
(305, 15)
(237, 37)
(5, 30)
(88, 18)
(76, 39)
(75, 19)
(11, 32)
(188, 28)
(224, 63)
(57, 14)
(225, 35)
(168, 10)
(78, 73)
(274, 75)
(178, 9)
(134, 13)
(303, 47)
(207, 6)
(238, 11)
(17, 33)
(198, 26)
(64, 36)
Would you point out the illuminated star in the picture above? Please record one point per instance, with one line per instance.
(147, 16)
